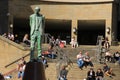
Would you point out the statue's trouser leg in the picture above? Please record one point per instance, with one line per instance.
(39, 41)
(32, 47)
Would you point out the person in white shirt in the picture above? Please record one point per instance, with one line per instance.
(80, 61)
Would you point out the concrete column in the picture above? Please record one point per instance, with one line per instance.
(108, 30)
(74, 26)
(114, 23)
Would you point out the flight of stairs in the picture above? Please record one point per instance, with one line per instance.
(74, 72)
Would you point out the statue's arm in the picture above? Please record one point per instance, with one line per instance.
(43, 20)
(30, 22)
(43, 23)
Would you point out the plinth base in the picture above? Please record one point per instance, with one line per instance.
(34, 71)
(1, 77)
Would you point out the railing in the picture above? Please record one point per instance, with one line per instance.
(62, 57)
(15, 69)
(16, 60)
(46, 38)
(63, 60)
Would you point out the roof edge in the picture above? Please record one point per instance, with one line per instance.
(79, 1)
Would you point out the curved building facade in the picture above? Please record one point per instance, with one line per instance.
(83, 19)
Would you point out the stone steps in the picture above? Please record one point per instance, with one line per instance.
(74, 72)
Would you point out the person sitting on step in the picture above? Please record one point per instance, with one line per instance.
(80, 61)
(87, 60)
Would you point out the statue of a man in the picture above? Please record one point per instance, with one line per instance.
(37, 23)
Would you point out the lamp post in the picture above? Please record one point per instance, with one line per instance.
(11, 28)
(74, 30)
(108, 30)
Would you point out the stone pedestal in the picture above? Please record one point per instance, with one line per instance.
(1, 77)
(34, 71)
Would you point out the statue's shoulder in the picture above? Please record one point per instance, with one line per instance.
(32, 15)
(42, 15)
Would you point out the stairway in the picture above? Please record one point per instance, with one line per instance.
(74, 72)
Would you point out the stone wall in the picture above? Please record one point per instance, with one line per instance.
(8, 54)
(3, 16)
(65, 11)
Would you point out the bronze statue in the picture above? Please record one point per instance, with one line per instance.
(37, 23)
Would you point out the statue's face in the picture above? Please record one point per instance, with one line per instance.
(37, 11)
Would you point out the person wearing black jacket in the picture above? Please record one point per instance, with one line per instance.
(91, 74)
(63, 73)
(99, 74)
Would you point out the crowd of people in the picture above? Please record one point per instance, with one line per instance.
(14, 38)
(52, 41)
(9, 36)
(107, 54)
(84, 60)
(100, 73)
(56, 42)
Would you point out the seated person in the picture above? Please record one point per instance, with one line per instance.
(91, 74)
(106, 43)
(107, 70)
(74, 43)
(57, 41)
(63, 73)
(52, 42)
(5, 35)
(26, 40)
(80, 61)
(99, 74)
(116, 56)
(11, 36)
(62, 45)
(105, 67)
(108, 56)
(20, 70)
(49, 53)
(87, 60)
(44, 61)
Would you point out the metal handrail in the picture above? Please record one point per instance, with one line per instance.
(46, 38)
(46, 35)
(62, 59)
(16, 60)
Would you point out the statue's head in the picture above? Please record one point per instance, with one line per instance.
(37, 9)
